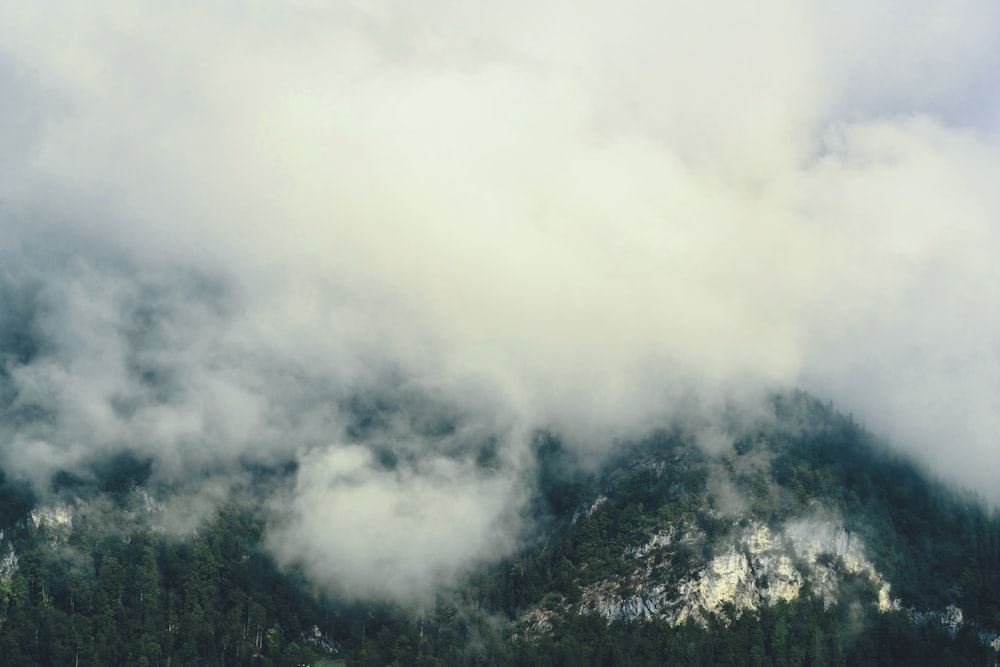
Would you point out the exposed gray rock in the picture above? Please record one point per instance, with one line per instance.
(758, 566)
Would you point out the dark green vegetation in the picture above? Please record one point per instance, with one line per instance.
(114, 592)
(937, 548)
(135, 597)
(797, 633)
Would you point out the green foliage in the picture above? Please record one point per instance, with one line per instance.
(936, 546)
(135, 597)
(143, 598)
(790, 634)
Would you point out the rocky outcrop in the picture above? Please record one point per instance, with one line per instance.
(55, 516)
(8, 564)
(756, 566)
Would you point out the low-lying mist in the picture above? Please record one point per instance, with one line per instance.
(386, 247)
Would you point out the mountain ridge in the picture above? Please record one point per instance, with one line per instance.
(800, 525)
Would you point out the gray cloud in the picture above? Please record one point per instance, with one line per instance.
(224, 229)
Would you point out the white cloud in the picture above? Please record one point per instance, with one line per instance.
(592, 210)
(392, 533)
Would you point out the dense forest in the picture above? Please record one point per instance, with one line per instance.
(105, 597)
(115, 590)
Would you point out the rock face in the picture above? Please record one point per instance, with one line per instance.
(138, 508)
(8, 564)
(757, 566)
(56, 516)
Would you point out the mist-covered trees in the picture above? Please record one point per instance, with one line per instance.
(121, 593)
(937, 547)
(144, 598)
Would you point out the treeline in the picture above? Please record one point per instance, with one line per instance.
(792, 634)
(799, 633)
(100, 597)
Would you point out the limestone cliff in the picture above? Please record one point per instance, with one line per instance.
(756, 566)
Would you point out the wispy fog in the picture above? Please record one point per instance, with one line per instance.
(388, 240)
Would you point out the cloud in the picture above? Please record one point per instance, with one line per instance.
(222, 227)
(392, 533)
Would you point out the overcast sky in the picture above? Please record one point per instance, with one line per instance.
(221, 218)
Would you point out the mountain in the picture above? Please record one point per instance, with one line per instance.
(794, 538)
(803, 542)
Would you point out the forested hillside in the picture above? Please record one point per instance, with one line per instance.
(622, 568)
(938, 549)
(104, 594)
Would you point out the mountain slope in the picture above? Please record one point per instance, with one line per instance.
(795, 538)
(98, 583)
(798, 500)
(802, 514)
